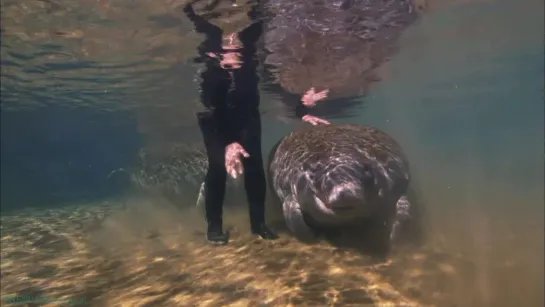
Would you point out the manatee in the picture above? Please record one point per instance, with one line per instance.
(333, 176)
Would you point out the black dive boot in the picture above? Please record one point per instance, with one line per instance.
(264, 232)
(215, 235)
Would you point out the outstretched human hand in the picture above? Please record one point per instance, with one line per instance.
(233, 163)
(311, 97)
(315, 120)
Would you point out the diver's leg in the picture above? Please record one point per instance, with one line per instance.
(254, 176)
(216, 177)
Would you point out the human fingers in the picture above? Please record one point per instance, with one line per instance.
(311, 120)
(231, 170)
(243, 152)
(311, 91)
(323, 121)
(239, 168)
(321, 95)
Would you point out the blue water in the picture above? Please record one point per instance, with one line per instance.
(464, 97)
(55, 156)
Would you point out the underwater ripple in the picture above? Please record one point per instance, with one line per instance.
(106, 55)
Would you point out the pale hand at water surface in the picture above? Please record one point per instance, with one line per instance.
(313, 120)
(311, 97)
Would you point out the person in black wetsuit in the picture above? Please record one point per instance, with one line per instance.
(231, 123)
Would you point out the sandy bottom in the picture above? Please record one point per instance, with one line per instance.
(144, 252)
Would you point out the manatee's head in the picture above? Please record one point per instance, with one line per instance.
(341, 191)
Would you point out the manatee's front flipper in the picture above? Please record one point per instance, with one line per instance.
(295, 220)
(403, 208)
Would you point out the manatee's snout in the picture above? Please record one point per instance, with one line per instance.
(343, 201)
(343, 198)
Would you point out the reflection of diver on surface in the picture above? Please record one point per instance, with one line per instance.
(231, 124)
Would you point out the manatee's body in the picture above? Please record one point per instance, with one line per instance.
(340, 175)
(333, 44)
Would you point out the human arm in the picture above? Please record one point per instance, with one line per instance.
(309, 100)
(288, 106)
(297, 109)
(201, 24)
(251, 34)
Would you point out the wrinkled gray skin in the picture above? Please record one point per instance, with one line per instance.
(332, 44)
(331, 176)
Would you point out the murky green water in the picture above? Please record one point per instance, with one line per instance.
(86, 85)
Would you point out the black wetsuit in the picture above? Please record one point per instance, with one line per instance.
(231, 101)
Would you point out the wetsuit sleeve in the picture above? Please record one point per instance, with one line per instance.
(252, 33)
(292, 106)
(201, 24)
(295, 107)
(301, 110)
(212, 43)
(230, 133)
